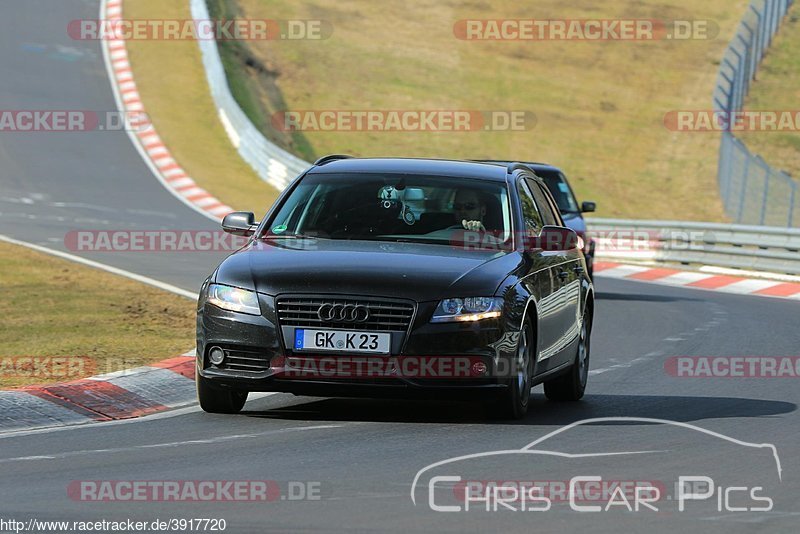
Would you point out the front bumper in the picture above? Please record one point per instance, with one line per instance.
(258, 359)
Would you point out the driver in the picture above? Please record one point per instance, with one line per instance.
(469, 210)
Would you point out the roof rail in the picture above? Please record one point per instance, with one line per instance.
(331, 157)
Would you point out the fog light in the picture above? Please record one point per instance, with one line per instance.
(216, 355)
(479, 368)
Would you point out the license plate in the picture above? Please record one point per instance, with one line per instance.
(342, 340)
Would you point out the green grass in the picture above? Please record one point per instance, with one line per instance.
(55, 308)
(778, 89)
(600, 105)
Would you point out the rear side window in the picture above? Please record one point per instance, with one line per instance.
(530, 213)
(545, 206)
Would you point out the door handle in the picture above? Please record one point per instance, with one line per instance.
(563, 274)
(578, 269)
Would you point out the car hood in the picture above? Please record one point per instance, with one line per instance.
(407, 270)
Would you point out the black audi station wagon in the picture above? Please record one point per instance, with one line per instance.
(399, 277)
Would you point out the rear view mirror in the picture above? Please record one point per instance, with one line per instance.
(588, 206)
(414, 194)
(241, 223)
(555, 238)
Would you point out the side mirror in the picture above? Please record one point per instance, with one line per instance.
(556, 238)
(588, 207)
(241, 223)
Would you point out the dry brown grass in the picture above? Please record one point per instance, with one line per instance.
(53, 307)
(600, 105)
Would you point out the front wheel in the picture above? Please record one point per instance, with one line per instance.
(572, 385)
(217, 400)
(513, 403)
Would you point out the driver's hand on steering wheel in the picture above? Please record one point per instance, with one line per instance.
(473, 226)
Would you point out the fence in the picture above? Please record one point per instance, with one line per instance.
(752, 191)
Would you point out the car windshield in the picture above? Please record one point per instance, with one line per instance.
(560, 190)
(393, 207)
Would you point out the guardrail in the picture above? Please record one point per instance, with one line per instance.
(756, 248)
(752, 191)
(274, 165)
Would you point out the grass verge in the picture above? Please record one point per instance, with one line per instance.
(173, 87)
(87, 321)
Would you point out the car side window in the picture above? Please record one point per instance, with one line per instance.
(545, 207)
(553, 205)
(530, 213)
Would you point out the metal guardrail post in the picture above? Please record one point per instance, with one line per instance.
(752, 61)
(767, 25)
(776, 20)
(744, 188)
(766, 194)
(724, 172)
(759, 34)
(740, 76)
(765, 29)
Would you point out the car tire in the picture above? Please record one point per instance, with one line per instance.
(513, 402)
(572, 385)
(216, 400)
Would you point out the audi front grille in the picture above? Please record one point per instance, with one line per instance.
(346, 313)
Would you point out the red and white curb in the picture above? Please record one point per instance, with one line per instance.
(121, 395)
(170, 173)
(699, 280)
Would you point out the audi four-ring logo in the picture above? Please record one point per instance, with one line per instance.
(345, 313)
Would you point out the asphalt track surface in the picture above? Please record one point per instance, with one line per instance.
(363, 455)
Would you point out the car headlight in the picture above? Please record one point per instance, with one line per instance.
(234, 299)
(467, 309)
